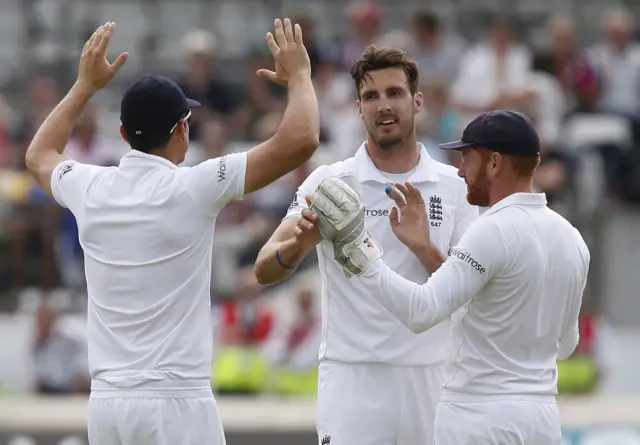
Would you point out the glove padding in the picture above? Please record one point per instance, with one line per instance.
(341, 222)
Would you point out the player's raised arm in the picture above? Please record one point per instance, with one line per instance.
(298, 136)
(94, 73)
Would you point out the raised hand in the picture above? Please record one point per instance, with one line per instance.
(289, 53)
(411, 224)
(95, 71)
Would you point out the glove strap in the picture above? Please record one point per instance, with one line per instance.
(360, 254)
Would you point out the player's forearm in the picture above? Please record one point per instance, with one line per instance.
(55, 131)
(414, 305)
(299, 130)
(278, 260)
(430, 257)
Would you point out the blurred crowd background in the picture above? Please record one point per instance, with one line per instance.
(573, 66)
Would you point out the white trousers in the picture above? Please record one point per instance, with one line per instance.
(377, 404)
(497, 423)
(154, 421)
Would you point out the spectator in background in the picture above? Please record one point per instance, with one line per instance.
(261, 96)
(494, 74)
(566, 62)
(88, 146)
(364, 28)
(439, 121)
(293, 348)
(43, 96)
(438, 54)
(201, 82)
(339, 118)
(617, 63)
(311, 41)
(247, 320)
(60, 360)
(33, 219)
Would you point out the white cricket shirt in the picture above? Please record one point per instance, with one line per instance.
(146, 228)
(355, 327)
(518, 274)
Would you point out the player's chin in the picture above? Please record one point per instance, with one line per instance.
(476, 200)
(389, 140)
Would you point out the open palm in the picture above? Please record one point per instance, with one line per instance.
(410, 224)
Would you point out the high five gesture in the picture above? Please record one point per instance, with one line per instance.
(95, 71)
(288, 51)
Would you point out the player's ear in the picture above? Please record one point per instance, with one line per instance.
(123, 134)
(183, 130)
(418, 101)
(496, 162)
(359, 105)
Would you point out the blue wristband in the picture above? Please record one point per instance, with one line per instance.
(284, 266)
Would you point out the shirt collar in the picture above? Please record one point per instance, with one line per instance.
(523, 199)
(367, 171)
(135, 157)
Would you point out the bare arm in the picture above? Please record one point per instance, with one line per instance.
(298, 136)
(287, 247)
(45, 151)
(95, 72)
(294, 143)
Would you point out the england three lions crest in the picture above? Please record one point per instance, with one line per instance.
(435, 210)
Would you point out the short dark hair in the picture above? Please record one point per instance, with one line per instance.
(150, 142)
(374, 59)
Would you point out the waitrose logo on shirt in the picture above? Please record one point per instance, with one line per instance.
(465, 256)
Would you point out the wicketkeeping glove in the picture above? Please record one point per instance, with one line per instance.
(341, 222)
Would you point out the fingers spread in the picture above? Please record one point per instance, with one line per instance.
(271, 43)
(416, 194)
(298, 35)
(267, 74)
(393, 216)
(288, 32)
(117, 64)
(407, 196)
(395, 194)
(280, 37)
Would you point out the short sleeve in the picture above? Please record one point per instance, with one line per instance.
(216, 182)
(69, 182)
(306, 188)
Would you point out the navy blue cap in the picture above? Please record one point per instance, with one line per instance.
(503, 131)
(153, 105)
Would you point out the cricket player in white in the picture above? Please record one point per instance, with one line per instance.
(146, 228)
(379, 383)
(517, 274)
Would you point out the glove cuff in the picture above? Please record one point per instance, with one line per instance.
(360, 254)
